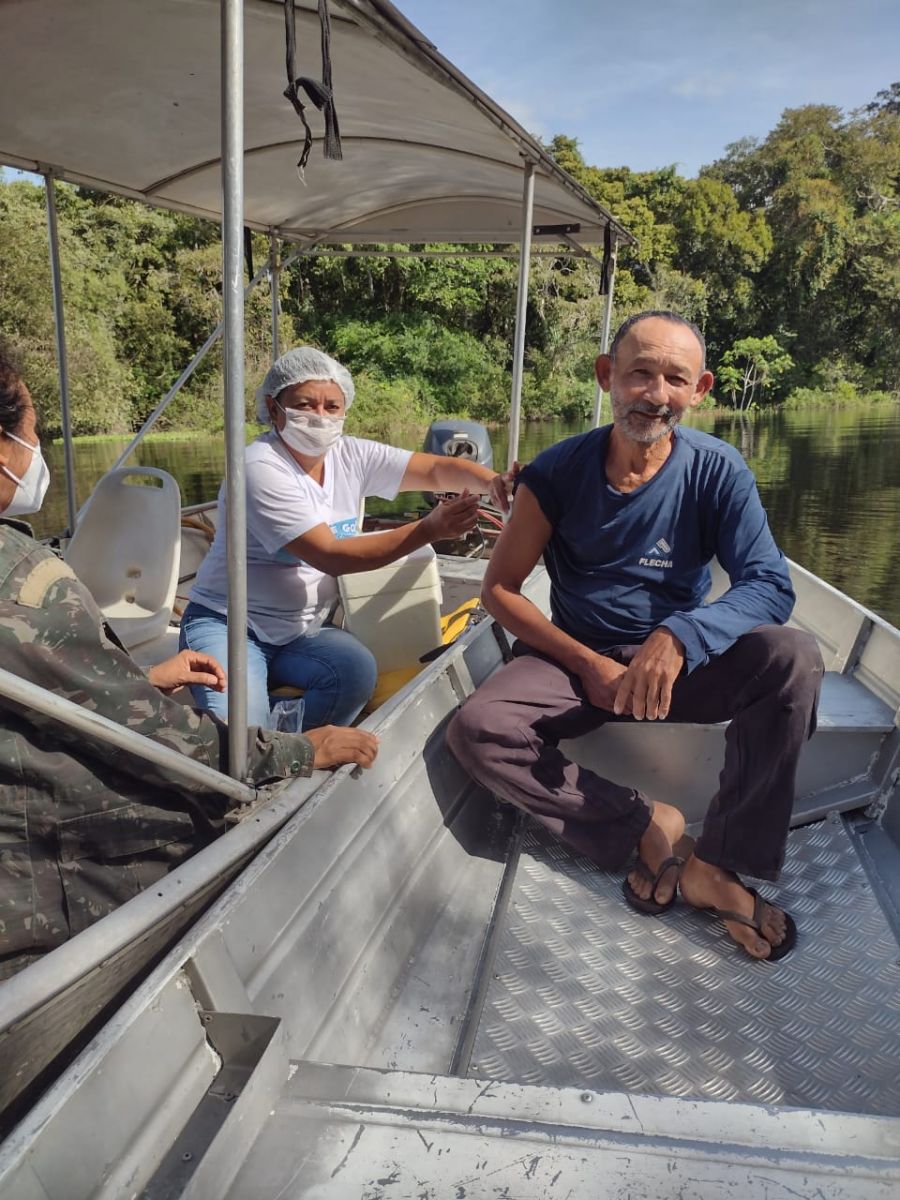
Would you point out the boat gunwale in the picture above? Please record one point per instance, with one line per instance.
(99, 941)
(59, 969)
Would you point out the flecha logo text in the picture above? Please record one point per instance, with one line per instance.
(654, 556)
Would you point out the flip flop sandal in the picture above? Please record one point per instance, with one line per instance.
(755, 923)
(651, 907)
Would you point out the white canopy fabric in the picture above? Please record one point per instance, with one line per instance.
(124, 95)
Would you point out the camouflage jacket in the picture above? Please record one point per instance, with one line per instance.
(83, 826)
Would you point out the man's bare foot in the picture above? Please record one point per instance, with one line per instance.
(705, 886)
(665, 828)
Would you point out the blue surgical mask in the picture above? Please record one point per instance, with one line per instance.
(31, 488)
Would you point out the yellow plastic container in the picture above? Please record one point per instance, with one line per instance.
(452, 626)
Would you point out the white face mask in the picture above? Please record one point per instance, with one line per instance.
(31, 488)
(310, 433)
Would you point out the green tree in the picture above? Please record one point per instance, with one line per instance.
(102, 387)
(751, 368)
(887, 100)
(828, 187)
(725, 247)
(795, 237)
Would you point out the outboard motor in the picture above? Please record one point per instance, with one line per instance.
(458, 439)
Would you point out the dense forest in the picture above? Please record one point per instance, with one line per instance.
(786, 251)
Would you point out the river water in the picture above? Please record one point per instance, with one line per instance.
(830, 481)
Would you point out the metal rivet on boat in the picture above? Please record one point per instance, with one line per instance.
(587, 1097)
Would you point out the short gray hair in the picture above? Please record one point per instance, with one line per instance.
(662, 314)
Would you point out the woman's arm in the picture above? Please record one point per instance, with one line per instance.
(441, 473)
(343, 556)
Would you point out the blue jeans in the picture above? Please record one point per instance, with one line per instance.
(336, 672)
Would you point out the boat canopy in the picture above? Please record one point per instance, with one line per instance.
(124, 96)
(182, 104)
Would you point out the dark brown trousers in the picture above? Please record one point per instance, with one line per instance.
(766, 685)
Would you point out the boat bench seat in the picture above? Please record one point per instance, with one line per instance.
(680, 763)
(846, 704)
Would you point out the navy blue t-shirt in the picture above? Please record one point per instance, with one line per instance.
(622, 564)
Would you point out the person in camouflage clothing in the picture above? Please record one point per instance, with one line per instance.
(84, 826)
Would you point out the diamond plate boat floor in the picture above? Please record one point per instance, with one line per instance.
(586, 992)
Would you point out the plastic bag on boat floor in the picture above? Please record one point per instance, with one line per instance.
(286, 715)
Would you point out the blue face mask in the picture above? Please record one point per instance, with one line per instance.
(31, 488)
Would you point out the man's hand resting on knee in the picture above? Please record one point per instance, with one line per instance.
(335, 745)
(600, 677)
(645, 689)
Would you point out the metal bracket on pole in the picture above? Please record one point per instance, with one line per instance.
(579, 251)
(275, 288)
(604, 335)
(563, 231)
(61, 355)
(317, 251)
(233, 321)
(515, 410)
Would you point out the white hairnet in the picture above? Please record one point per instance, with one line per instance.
(296, 366)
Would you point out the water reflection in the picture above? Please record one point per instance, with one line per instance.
(830, 482)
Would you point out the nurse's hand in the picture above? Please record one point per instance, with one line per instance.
(452, 518)
(502, 485)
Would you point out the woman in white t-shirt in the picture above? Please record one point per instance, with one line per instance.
(305, 486)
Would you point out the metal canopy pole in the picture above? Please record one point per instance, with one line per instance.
(275, 289)
(177, 766)
(604, 335)
(515, 410)
(61, 356)
(233, 319)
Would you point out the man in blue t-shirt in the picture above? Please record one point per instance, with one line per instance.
(627, 518)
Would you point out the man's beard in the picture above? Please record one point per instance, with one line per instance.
(636, 428)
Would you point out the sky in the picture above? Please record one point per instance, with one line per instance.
(648, 83)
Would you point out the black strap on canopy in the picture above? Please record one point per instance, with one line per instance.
(248, 251)
(320, 92)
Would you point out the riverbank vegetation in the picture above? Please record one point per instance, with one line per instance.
(786, 251)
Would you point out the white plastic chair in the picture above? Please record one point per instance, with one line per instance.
(395, 610)
(126, 549)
